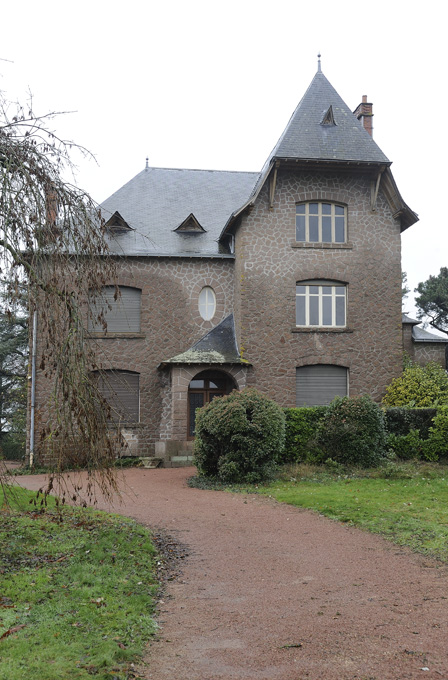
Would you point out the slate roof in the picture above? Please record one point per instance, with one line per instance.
(158, 200)
(218, 346)
(307, 138)
(408, 319)
(420, 335)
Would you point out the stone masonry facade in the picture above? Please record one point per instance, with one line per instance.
(269, 262)
(195, 240)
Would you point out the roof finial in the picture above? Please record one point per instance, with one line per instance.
(147, 165)
(318, 63)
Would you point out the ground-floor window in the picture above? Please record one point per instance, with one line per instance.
(204, 387)
(121, 389)
(320, 384)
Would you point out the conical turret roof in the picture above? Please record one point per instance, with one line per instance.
(323, 128)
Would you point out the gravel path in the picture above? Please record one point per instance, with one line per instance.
(271, 592)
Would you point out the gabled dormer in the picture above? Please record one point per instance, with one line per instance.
(117, 225)
(190, 226)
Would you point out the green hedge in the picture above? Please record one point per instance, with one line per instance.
(418, 433)
(301, 432)
(401, 420)
(353, 432)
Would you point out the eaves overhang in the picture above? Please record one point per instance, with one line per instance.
(183, 255)
(400, 209)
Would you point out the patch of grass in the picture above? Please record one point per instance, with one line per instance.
(76, 593)
(215, 484)
(407, 503)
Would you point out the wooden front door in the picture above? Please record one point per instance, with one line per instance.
(202, 389)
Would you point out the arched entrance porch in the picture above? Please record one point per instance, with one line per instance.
(204, 387)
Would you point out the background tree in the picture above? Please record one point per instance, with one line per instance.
(405, 290)
(432, 300)
(53, 239)
(13, 382)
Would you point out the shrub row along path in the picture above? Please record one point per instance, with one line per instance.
(271, 592)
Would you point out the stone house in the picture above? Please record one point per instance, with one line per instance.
(421, 345)
(288, 280)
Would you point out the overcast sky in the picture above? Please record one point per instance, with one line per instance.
(212, 85)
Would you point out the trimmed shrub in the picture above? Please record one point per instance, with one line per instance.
(401, 420)
(301, 431)
(352, 432)
(239, 437)
(418, 386)
(406, 446)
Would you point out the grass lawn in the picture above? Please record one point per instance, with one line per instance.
(76, 593)
(406, 503)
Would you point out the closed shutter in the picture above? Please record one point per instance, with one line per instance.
(124, 315)
(320, 384)
(121, 389)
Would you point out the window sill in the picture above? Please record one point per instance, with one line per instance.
(322, 246)
(108, 336)
(131, 425)
(320, 329)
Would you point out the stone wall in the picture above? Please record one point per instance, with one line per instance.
(269, 262)
(424, 352)
(170, 324)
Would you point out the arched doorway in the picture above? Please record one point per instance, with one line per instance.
(204, 387)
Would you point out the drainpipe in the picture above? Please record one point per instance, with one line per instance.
(33, 387)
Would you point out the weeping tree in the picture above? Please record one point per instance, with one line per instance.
(53, 240)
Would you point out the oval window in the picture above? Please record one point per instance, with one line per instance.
(207, 303)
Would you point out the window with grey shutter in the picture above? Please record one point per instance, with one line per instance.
(114, 312)
(121, 390)
(320, 384)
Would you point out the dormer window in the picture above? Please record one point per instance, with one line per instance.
(117, 225)
(321, 223)
(190, 226)
(328, 118)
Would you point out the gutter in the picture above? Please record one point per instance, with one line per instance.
(33, 388)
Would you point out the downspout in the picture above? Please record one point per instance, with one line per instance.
(33, 387)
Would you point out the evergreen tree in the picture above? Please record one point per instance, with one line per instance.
(13, 381)
(432, 301)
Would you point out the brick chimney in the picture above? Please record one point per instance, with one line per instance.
(364, 113)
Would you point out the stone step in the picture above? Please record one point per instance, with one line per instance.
(179, 461)
(151, 461)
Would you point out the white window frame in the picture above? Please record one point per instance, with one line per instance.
(327, 295)
(207, 303)
(333, 217)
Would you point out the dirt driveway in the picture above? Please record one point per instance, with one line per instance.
(271, 592)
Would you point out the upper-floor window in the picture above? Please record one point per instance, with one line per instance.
(321, 223)
(115, 310)
(207, 303)
(320, 303)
